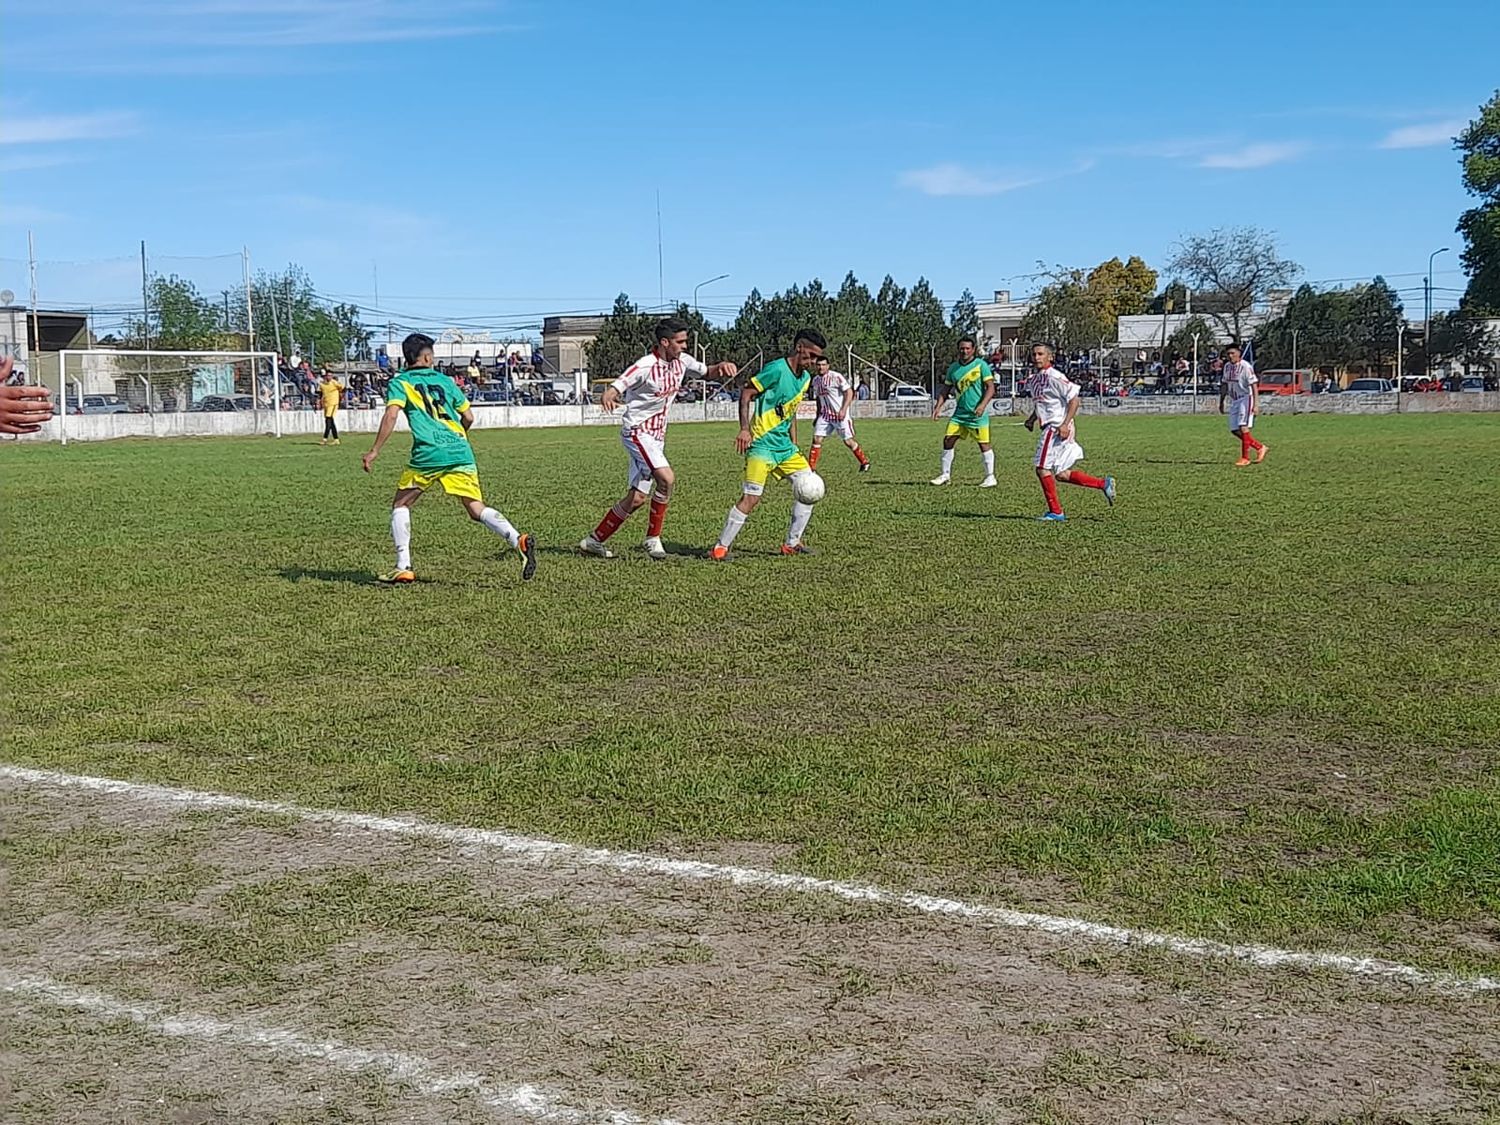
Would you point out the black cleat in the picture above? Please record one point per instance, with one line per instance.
(527, 547)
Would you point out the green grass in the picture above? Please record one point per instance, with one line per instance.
(1254, 704)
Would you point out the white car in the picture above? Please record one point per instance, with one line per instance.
(909, 395)
(1371, 387)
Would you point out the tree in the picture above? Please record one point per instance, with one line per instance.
(1121, 288)
(1180, 343)
(1375, 324)
(1480, 225)
(964, 319)
(178, 318)
(1234, 268)
(1463, 336)
(1064, 315)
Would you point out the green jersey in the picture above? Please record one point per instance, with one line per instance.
(967, 381)
(778, 391)
(434, 409)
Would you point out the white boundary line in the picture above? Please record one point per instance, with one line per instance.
(412, 1071)
(534, 850)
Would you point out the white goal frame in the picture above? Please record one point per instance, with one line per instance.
(62, 377)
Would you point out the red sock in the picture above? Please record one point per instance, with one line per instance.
(1250, 438)
(1084, 480)
(610, 523)
(1049, 486)
(657, 516)
(1245, 441)
(859, 455)
(812, 457)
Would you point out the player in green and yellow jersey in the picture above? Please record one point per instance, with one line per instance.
(768, 439)
(971, 385)
(440, 416)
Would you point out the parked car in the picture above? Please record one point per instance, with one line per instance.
(98, 404)
(1472, 385)
(908, 395)
(1286, 382)
(223, 404)
(1371, 387)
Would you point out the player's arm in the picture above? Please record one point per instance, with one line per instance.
(1065, 431)
(747, 409)
(725, 371)
(1223, 389)
(988, 397)
(467, 418)
(1254, 395)
(848, 403)
(382, 435)
(942, 397)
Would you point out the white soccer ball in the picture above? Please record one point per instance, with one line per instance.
(807, 487)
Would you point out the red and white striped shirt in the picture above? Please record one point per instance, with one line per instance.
(829, 391)
(649, 386)
(1051, 391)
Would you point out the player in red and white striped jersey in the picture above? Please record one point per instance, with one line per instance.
(647, 390)
(835, 395)
(1054, 399)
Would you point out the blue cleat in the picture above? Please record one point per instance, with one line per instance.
(1052, 517)
(1109, 490)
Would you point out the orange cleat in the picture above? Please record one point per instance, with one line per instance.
(1242, 462)
(1260, 455)
(719, 553)
(398, 577)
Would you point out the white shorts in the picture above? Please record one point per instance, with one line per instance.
(1239, 414)
(825, 426)
(1056, 454)
(647, 454)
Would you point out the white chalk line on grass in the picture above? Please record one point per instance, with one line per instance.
(416, 1073)
(535, 850)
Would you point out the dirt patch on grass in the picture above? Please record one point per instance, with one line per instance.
(707, 1003)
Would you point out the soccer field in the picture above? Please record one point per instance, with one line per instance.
(1245, 704)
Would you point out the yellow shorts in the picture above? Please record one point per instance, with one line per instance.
(463, 483)
(980, 432)
(758, 470)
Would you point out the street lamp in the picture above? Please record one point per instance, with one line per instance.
(1427, 318)
(701, 284)
(696, 349)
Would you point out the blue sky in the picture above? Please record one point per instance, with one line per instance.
(495, 161)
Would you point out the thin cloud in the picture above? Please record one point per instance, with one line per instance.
(1261, 155)
(46, 128)
(25, 214)
(1423, 136)
(236, 25)
(949, 179)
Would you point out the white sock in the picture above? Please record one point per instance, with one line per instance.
(732, 524)
(989, 461)
(801, 513)
(500, 526)
(401, 534)
(947, 462)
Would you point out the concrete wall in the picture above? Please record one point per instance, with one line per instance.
(103, 427)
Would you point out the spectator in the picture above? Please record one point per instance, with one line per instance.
(863, 394)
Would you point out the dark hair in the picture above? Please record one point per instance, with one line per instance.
(669, 326)
(973, 343)
(823, 359)
(414, 345)
(812, 336)
(1235, 346)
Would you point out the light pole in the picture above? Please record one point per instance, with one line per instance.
(1294, 356)
(697, 287)
(1427, 318)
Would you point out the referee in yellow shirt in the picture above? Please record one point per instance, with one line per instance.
(330, 390)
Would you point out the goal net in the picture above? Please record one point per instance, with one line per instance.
(93, 381)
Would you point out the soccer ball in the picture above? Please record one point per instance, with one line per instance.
(807, 487)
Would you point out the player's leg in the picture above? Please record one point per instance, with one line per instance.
(847, 433)
(987, 455)
(1082, 479)
(407, 494)
(950, 439)
(332, 429)
(1239, 433)
(637, 488)
(465, 486)
(1043, 463)
(757, 471)
(661, 496)
(1247, 423)
(801, 512)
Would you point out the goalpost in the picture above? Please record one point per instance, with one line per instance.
(164, 381)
